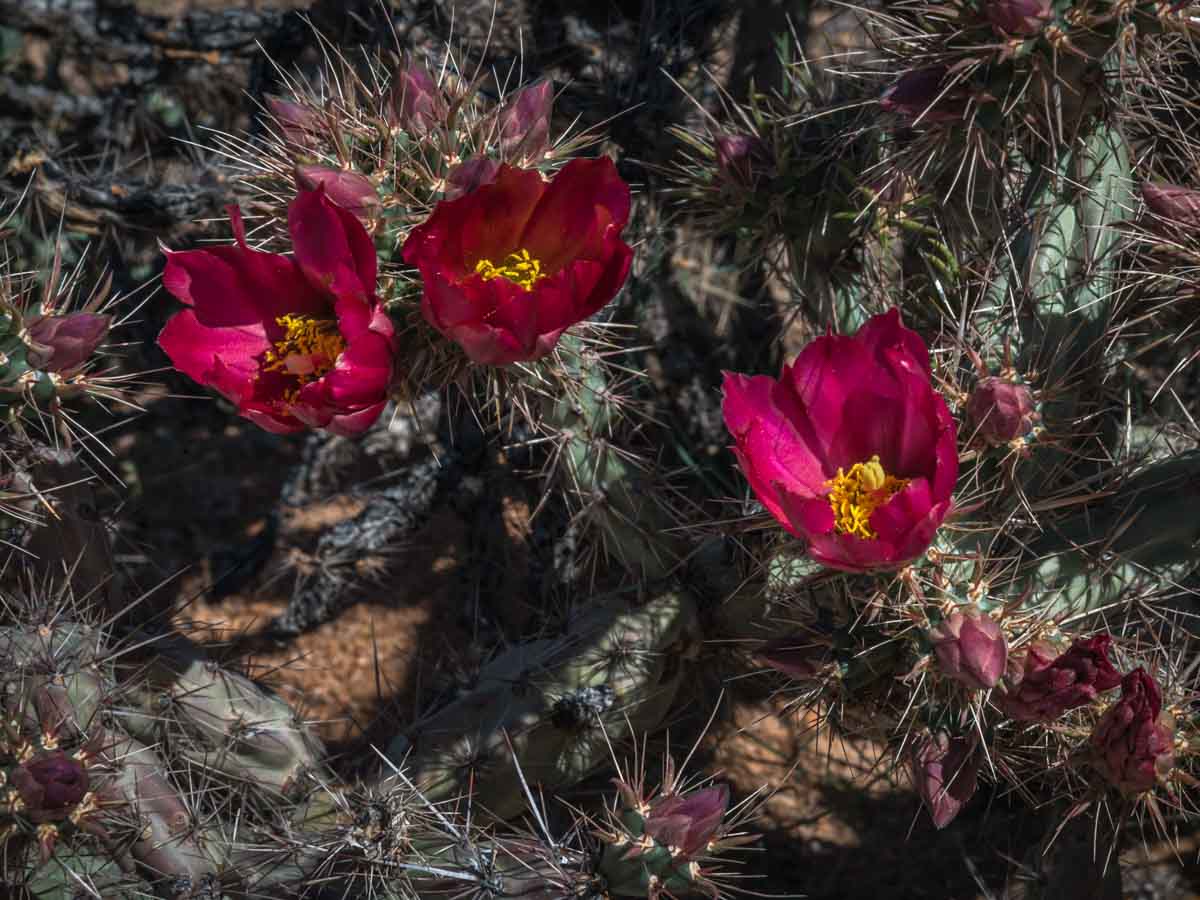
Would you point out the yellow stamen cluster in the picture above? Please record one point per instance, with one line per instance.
(854, 495)
(519, 268)
(308, 349)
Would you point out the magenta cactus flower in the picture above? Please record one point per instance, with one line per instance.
(295, 341)
(851, 449)
(688, 822)
(63, 343)
(351, 191)
(1001, 411)
(1047, 685)
(1134, 743)
(1019, 18)
(525, 122)
(970, 648)
(945, 774)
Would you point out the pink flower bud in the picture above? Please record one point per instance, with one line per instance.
(469, 175)
(1022, 18)
(922, 94)
(688, 822)
(741, 158)
(50, 784)
(796, 656)
(1172, 202)
(945, 773)
(1047, 686)
(418, 104)
(525, 122)
(1002, 411)
(62, 343)
(970, 648)
(299, 123)
(351, 191)
(1134, 742)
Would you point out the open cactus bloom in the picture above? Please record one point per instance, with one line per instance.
(295, 341)
(851, 449)
(509, 266)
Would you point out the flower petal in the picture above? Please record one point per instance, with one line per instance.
(332, 247)
(584, 200)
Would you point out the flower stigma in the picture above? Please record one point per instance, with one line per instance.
(519, 268)
(854, 495)
(308, 349)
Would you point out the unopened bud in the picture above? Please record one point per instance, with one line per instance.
(469, 175)
(1022, 18)
(945, 774)
(688, 822)
(1045, 686)
(741, 158)
(417, 103)
(525, 122)
(50, 785)
(299, 123)
(796, 656)
(350, 190)
(921, 94)
(1002, 411)
(1133, 741)
(66, 342)
(970, 648)
(1172, 202)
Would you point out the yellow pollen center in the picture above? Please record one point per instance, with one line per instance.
(854, 495)
(519, 268)
(308, 349)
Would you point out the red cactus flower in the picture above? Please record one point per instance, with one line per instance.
(417, 103)
(351, 191)
(970, 648)
(1021, 18)
(50, 784)
(295, 341)
(851, 449)
(1047, 685)
(1002, 411)
(1134, 743)
(1172, 202)
(525, 122)
(945, 774)
(66, 342)
(510, 266)
(688, 821)
(922, 94)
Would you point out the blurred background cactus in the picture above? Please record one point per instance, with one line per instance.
(537, 631)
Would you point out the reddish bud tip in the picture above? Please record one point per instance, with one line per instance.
(50, 784)
(1133, 741)
(1022, 18)
(688, 822)
(795, 656)
(63, 343)
(970, 648)
(525, 122)
(945, 773)
(469, 175)
(741, 158)
(1046, 686)
(417, 103)
(299, 123)
(922, 94)
(1172, 202)
(353, 192)
(1001, 411)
